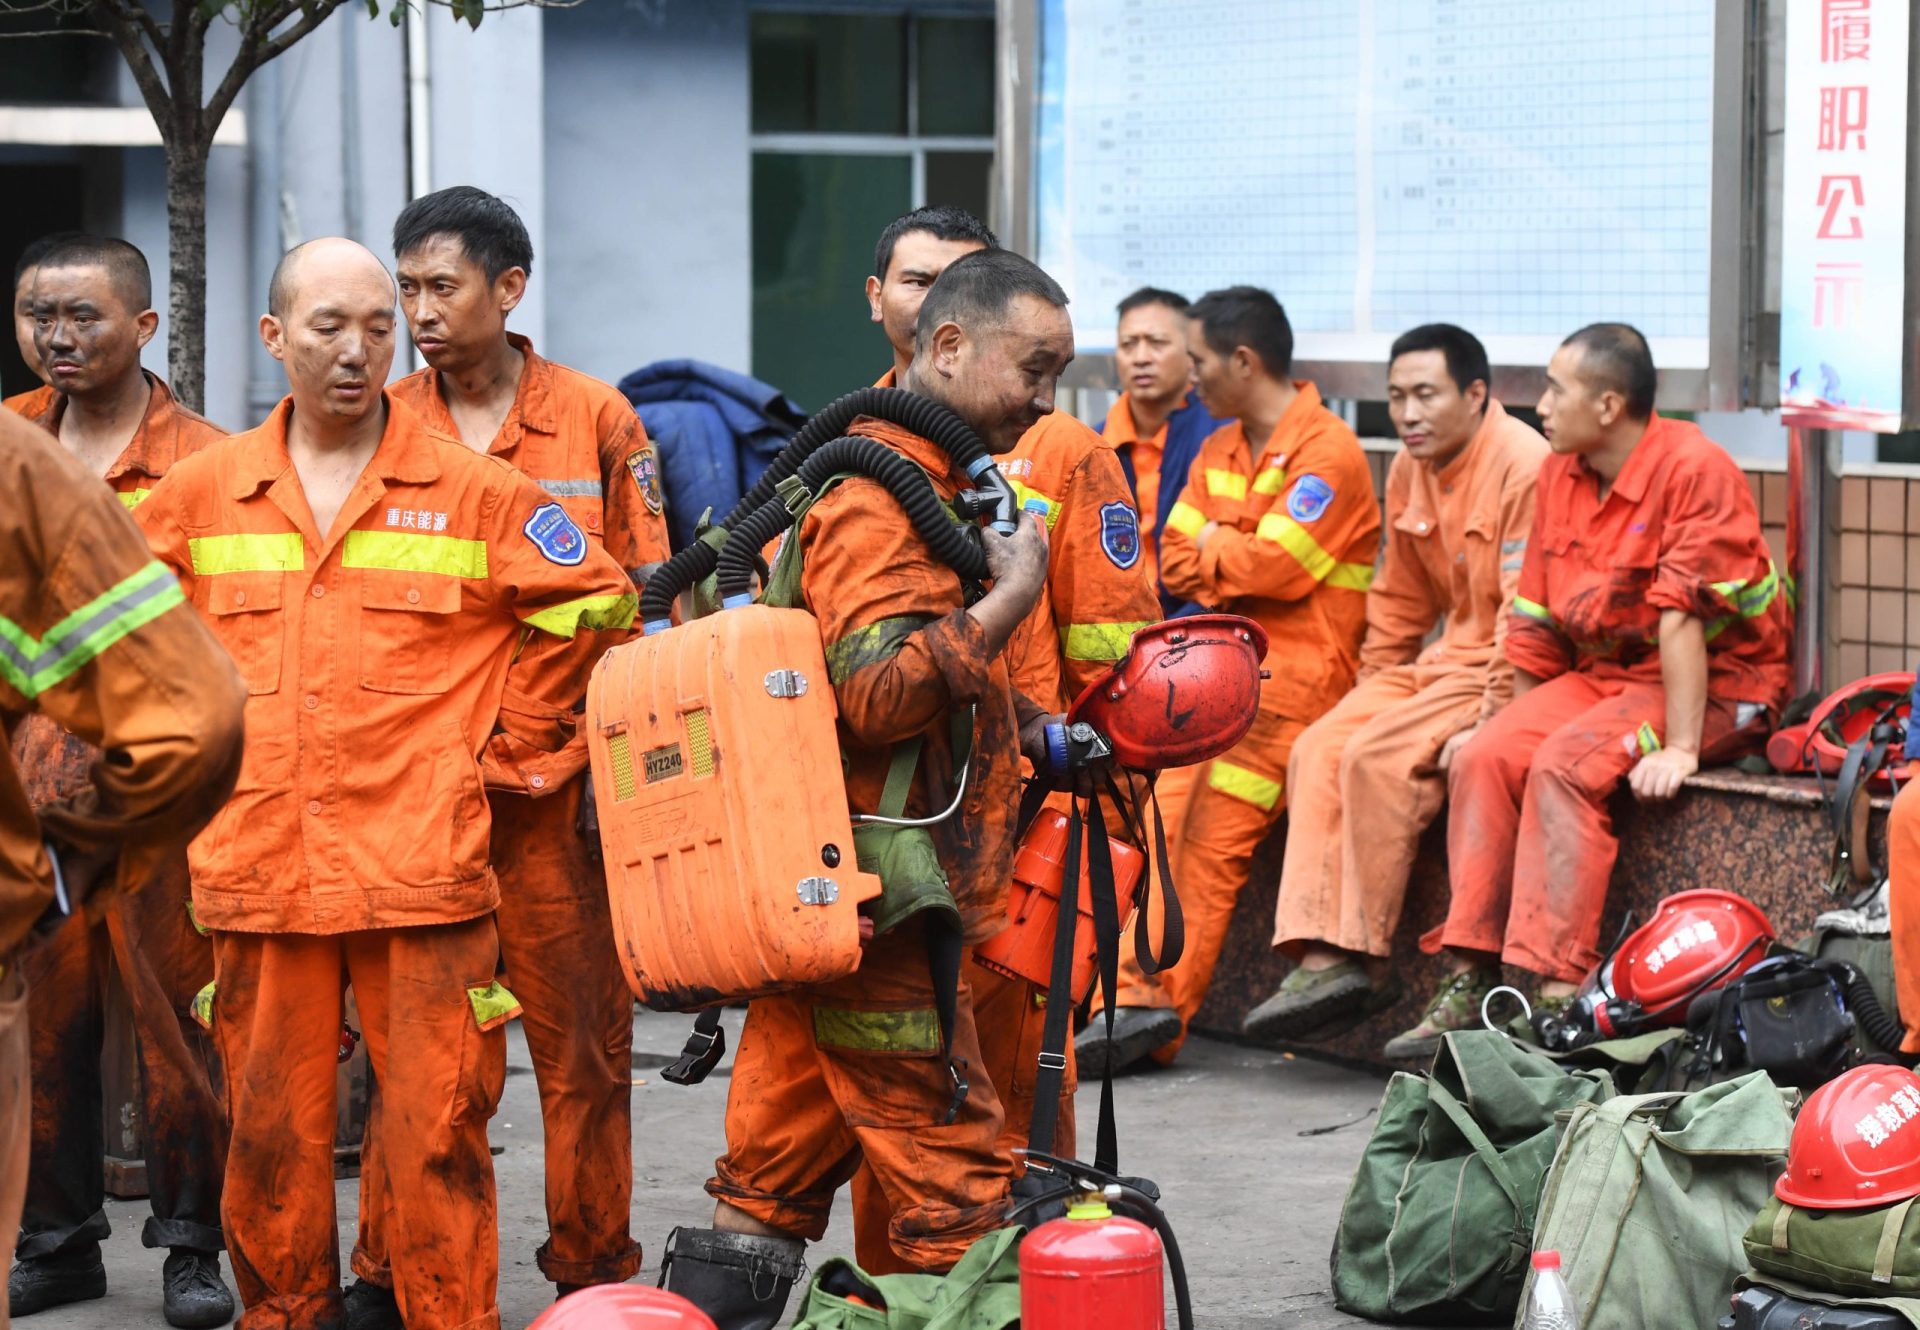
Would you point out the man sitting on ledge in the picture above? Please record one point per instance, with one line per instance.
(1649, 634)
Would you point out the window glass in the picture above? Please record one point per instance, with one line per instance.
(960, 178)
(815, 219)
(955, 57)
(829, 73)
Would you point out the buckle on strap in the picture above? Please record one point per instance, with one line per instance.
(960, 1087)
(1052, 1061)
(701, 1055)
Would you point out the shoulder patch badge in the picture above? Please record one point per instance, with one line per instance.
(645, 467)
(1120, 534)
(555, 536)
(1309, 499)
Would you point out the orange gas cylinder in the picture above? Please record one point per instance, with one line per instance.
(723, 812)
(1092, 1270)
(1024, 949)
(622, 1307)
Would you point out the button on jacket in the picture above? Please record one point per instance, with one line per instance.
(375, 661)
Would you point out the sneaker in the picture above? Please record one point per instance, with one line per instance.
(40, 1282)
(1137, 1031)
(371, 1307)
(1455, 1007)
(1318, 1003)
(194, 1296)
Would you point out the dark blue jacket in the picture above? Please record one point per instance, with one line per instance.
(1187, 429)
(715, 432)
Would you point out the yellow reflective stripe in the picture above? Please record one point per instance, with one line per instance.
(31, 665)
(132, 497)
(411, 552)
(194, 919)
(1225, 484)
(1186, 519)
(281, 552)
(1271, 480)
(1290, 536)
(492, 1004)
(1033, 501)
(1752, 600)
(594, 613)
(1533, 609)
(1648, 740)
(915, 1031)
(1247, 786)
(203, 1008)
(1097, 641)
(872, 644)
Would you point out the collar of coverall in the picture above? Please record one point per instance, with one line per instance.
(533, 406)
(405, 453)
(1631, 483)
(143, 452)
(1306, 400)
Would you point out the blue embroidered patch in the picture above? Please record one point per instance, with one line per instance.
(1120, 534)
(555, 536)
(1309, 499)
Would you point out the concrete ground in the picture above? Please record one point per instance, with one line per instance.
(1253, 1200)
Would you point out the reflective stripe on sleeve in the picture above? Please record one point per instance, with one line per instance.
(492, 1004)
(1648, 741)
(1533, 609)
(1186, 519)
(1271, 480)
(31, 666)
(572, 489)
(915, 1031)
(594, 613)
(872, 644)
(1250, 787)
(132, 498)
(1225, 484)
(1290, 536)
(411, 552)
(1033, 501)
(1097, 641)
(277, 553)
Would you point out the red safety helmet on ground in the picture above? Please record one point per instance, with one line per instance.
(1185, 692)
(1696, 941)
(1856, 1142)
(622, 1307)
(1845, 715)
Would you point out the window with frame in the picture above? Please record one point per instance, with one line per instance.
(858, 115)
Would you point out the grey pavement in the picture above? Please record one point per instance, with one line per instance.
(1253, 1201)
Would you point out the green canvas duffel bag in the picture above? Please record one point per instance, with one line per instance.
(982, 1292)
(1438, 1224)
(1872, 1253)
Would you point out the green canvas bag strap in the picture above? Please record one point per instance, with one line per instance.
(1443, 1099)
(902, 765)
(1890, 1231)
(1780, 1220)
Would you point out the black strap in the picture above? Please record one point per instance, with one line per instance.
(1051, 1074)
(705, 1046)
(943, 965)
(1173, 924)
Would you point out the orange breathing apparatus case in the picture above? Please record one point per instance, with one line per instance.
(1024, 949)
(724, 822)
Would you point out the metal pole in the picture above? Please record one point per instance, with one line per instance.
(1814, 557)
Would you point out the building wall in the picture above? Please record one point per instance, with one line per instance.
(647, 174)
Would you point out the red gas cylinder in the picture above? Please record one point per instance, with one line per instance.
(1093, 1270)
(622, 1307)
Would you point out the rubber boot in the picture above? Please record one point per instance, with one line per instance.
(741, 1280)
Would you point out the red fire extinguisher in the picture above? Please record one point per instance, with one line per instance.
(1092, 1270)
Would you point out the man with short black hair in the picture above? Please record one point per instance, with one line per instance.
(1649, 634)
(90, 302)
(463, 258)
(34, 402)
(1277, 522)
(1367, 777)
(861, 1069)
(912, 252)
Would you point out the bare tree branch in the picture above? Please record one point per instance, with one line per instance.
(56, 32)
(124, 31)
(255, 52)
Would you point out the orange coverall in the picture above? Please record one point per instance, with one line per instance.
(148, 936)
(33, 404)
(1903, 896)
(1298, 532)
(829, 1076)
(1101, 591)
(91, 621)
(580, 441)
(1530, 843)
(1363, 780)
(378, 658)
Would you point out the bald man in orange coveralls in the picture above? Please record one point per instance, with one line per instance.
(1367, 777)
(1096, 599)
(1649, 634)
(1277, 522)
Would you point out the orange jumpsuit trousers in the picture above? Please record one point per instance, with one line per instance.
(1903, 872)
(1362, 787)
(16, 1110)
(1530, 841)
(277, 1014)
(554, 896)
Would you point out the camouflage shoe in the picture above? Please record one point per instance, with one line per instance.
(1317, 1004)
(1455, 1007)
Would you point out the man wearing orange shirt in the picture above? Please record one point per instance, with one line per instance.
(376, 583)
(1649, 634)
(1277, 522)
(1367, 777)
(35, 401)
(91, 306)
(463, 259)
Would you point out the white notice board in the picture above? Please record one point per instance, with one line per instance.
(1520, 167)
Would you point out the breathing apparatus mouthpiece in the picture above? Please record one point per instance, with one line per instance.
(995, 495)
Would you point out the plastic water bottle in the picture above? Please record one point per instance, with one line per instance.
(1550, 1301)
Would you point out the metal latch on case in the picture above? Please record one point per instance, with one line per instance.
(819, 891)
(786, 683)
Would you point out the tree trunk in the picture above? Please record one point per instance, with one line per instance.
(187, 269)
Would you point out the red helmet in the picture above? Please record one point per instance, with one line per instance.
(1851, 1148)
(1820, 742)
(1184, 693)
(1696, 941)
(622, 1307)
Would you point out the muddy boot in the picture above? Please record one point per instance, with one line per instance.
(40, 1282)
(371, 1306)
(741, 1280)
(1455, 1007)
(193, 1295)
(1137, 1031)
(1320, 1003)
